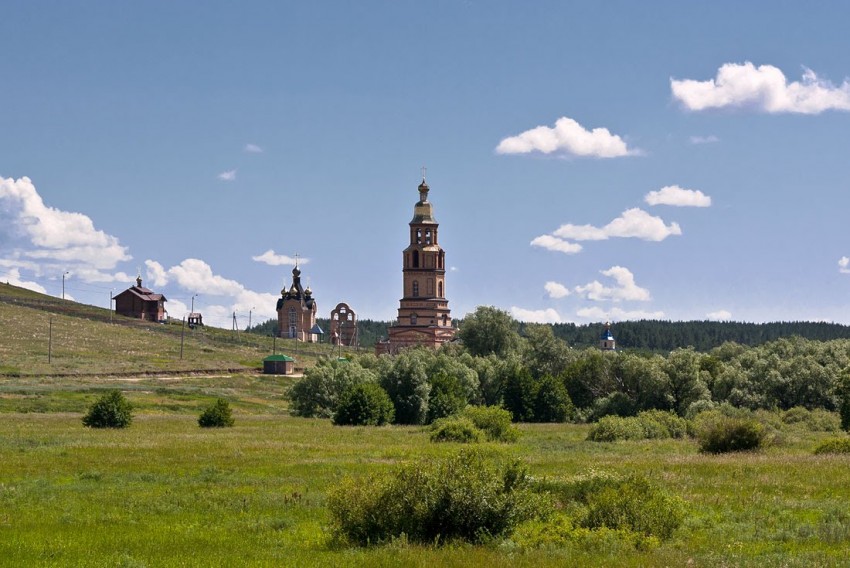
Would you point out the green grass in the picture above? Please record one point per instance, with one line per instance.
(165, 492)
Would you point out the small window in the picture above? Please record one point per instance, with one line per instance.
(419, 236)
(439, 289)
(415, 288)
(416, 259)
(428, 237)
(412, 319)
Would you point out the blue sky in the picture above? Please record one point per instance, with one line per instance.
(587, 160)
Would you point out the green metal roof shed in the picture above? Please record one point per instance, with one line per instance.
(278, 365)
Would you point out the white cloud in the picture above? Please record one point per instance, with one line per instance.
(556, 290)
(617, 314)
(156, 273)
(568, 137)
(536, 316)
(704, 139)
(763, 88)
(555, 244)
(47, 240)
(13, 277)
(271, 258)
(844, 265)
(196, 275)
(678, 197)
(229, 175)
(719, 315)
(626, 288)
(632, 223)
(253, 149)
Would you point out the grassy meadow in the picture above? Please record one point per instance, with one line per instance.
(165, 492)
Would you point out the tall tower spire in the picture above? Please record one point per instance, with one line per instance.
(424, 317)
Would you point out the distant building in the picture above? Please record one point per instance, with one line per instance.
(296, 311)
(278, 365)
(423, 315)
(139, 302)
(343, 325)
(194, 320)
(606, 340)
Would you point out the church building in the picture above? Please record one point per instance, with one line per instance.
(296, 311)
(423, 314)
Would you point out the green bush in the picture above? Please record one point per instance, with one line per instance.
(317, 393)
(462, 497)
(112, 410)
(604, 500)
(817, 420)
(727, 434)
(455, 429)
(613, 428)
(217, 415)
(834, 446)
(447, 397)
(494, 421)
(673, 425)
(365, 404)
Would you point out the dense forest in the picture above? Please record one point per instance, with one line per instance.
(644, 335)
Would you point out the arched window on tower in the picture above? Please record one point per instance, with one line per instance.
(416, 259)
(439, 289)
(427, 236)
(415, 288)
(418, 236)
(293, 323)
(412, 319)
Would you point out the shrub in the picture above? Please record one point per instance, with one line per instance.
(112, 410)
(673, 425)
(365, 404)
(814, 420)
(624, 503)
(730, 435)
(834, 446)
(613, 428)
(552, 403)
(494, 421)
(455, 429)
(520, 392)
(462, 497)
(616, 404)
(317, 393)
(216, 416)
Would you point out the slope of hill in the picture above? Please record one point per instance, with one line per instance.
(43, 335)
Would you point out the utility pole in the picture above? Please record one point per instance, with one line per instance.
(63, 283)
(182, 332)
(193, 304)
(110, 305)
(249, 319)
(49, 339)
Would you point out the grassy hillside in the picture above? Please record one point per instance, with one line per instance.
(41, 335)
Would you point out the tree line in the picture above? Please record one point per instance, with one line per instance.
(538, 377)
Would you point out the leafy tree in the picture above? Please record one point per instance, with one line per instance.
(590, 376)
(406, 381)
(317, 393)
(217, 415)
(545, 354)
(111, 410)
(520, 394)
(552, 403)
(447, 396)
(844, 396)
(489, 330)
(686, 385)
(364, 404)
(643, 379)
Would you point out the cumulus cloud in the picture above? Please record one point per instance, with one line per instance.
(229, 175)
(626, 288)
(253, 149)
(617, 314)
(197, 277)
(567, 137)
(632, 223)
(271, 258)
(719, 315)
(13, 277)
(536, 316)
(556, 290)
(763, 88)
(678, 197)
(844, 265)
(555, 244)
(44, 239)
(704, 139)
